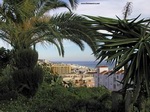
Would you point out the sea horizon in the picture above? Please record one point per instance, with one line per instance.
(90, 64)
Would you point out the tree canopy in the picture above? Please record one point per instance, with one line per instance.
(24, 24)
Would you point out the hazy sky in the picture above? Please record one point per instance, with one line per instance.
(107, 8)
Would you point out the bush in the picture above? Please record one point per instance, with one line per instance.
(27, 76)
(5, 57)
(25, 58)
(60, 99)
(7, 90)
(21, 104)
(27, 81)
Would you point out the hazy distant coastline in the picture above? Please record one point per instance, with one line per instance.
(90, 64)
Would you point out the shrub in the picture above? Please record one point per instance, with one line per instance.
(27, 81)
(27, 76)
(21, 104)
(5, 57)
(7, 90)
(60, 99)
(25, 58)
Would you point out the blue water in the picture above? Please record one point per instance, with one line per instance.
(90, 64)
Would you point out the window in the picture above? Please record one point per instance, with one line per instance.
(118, 84)
(117, 77)
(76, 81)
(114, 86)
(84, 81)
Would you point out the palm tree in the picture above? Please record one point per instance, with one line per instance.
(126, 43)
(24, 24)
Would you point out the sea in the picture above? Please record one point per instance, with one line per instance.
(90, 64)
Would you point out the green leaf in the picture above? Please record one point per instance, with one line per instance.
(117, 54)
(139, 55)
(112, 49)
(119, 40)
(119, 43)
(147, 45)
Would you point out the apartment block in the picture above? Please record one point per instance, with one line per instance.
(111, 82)
(61, 69)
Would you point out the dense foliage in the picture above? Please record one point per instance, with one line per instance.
(6, 83)
(5, 57)
(27, 76)
(60, 99)
(25, 58)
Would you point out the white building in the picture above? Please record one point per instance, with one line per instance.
(111, 82)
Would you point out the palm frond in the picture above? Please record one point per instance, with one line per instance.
(127, 45)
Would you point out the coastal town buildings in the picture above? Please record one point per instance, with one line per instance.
(80, 80)
(61, 68)
(79, 76)
(82, 76)
(111, 82)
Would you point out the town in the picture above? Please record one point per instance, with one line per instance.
(82, 76)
